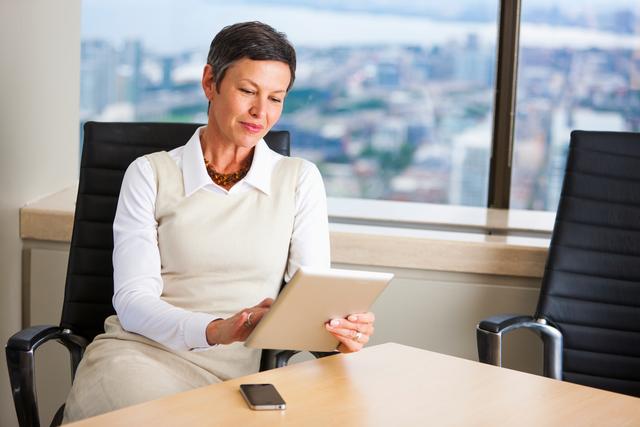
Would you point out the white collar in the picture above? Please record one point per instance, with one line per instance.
(195, 174)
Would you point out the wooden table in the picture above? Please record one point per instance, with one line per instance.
(389, 385)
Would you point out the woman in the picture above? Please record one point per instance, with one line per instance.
(205, 231)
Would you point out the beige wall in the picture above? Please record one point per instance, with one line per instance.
(39, 110)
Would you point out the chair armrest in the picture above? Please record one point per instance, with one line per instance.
(489, 338)
(21, 366)
(20, 350)
(31, 338)
(503, 322)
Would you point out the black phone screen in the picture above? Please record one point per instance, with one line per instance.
(262, 395)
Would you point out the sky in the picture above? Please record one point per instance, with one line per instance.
(171, 26)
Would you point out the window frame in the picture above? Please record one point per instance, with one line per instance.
(504, 107)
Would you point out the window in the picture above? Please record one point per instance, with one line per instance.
(579, 68)
(392, 100)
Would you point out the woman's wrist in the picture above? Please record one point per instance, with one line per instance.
(212, 332)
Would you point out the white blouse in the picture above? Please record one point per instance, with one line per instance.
(136, 257)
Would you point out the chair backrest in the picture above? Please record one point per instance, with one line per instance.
(108, 150)
(591, 285)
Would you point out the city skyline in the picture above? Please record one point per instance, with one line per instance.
(400, 121)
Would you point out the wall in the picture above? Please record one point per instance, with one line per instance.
(39, 110)
(439, 311)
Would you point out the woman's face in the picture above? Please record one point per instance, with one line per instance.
(249, 101)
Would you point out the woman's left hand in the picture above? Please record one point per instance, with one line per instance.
(353, 332)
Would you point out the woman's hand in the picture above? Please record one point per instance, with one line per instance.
(239, 326)
(353, 332)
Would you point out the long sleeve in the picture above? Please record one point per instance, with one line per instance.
(310, 238)
(136, 261)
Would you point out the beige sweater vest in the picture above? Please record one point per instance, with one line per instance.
(220, 253)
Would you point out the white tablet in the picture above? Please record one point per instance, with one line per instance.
(297, 318)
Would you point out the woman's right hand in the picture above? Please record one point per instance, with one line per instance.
(239, 326)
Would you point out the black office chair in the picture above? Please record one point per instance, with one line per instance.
(588, 313)
(108, 150)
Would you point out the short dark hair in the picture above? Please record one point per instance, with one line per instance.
(253, 40)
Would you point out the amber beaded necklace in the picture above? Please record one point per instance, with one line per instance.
(226, 179)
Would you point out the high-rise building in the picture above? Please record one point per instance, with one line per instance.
(131, 59)
(97, 76)
(469, 165)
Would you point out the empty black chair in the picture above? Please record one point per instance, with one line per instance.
(108, 150)
(588, 312)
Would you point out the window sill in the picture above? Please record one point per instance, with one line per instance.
(383, 234)
(426, 216)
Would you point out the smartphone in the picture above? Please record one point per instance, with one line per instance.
(262, 397)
